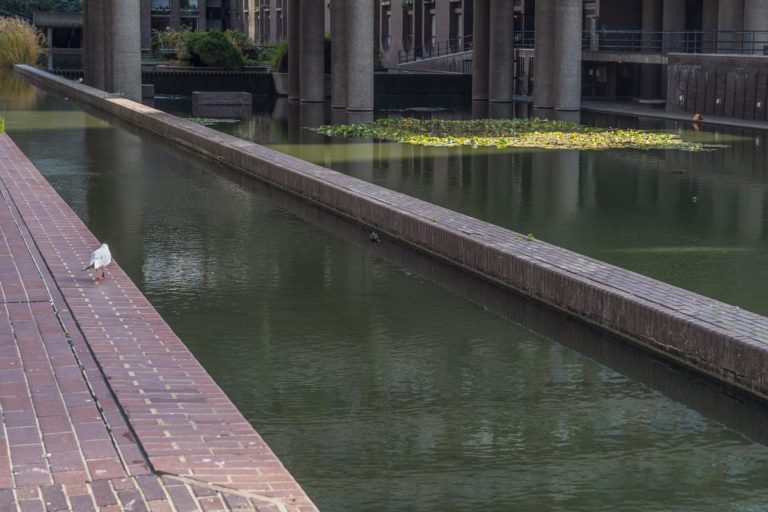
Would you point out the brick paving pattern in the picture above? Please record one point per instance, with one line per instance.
(103, 407)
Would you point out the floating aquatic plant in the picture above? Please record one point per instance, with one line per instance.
(509, 133)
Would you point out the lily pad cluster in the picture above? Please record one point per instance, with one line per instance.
(508, 133)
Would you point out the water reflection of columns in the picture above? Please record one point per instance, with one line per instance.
(311, 115)
(120, 222)
(555, 182)
(751, 211)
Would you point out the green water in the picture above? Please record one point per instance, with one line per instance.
(383, 380)
(695, 220)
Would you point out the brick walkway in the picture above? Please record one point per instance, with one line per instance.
(103, 407)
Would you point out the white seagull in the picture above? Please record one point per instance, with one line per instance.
(100, 258)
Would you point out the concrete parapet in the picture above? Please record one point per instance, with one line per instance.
(711, 337)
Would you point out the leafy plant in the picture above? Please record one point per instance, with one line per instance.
(509, 133)
(280, 50)
(20, 42)
(2, 125)
(172, 40)
(239, 39)
(213, 49)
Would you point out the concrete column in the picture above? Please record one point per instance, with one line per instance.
(730, 16)
(339, 59)
(93, 45)
(650, 77)
(146, 23)
(501, 59)
(253, 18)
(481, 48)
(568, 55)
(544, 55)
(294, 55)
(756, 18)
(175, 21)
(49, 58)
(360, 32)
(126, 48)
(312, 52)
(709, 26)
(201, 20)
(673, 20)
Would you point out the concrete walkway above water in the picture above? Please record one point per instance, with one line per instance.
(639, 110)
(103, 407)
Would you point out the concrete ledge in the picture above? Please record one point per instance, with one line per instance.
(711, 337)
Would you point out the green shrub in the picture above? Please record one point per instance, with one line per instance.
(277, 61)
(172, 40)
(20, 42)
(213, 49)
(239, 39)
(2, 125)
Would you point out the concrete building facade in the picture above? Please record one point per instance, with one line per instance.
(563, 50)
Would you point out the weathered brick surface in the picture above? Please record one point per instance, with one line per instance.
(709, 336)
(98, 395)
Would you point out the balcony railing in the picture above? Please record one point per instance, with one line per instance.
(749, 42)
(456, 45)
(745, 42)
(451, 46)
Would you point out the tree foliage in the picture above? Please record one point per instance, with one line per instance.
(214, 49)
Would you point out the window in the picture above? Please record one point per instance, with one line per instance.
(161, 5)
(386, 34)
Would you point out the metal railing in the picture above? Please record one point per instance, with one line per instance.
(451, 46)
(745, 42)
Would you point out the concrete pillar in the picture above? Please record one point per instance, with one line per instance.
(568, 55)
(339, 59)
(294, 55)
(481, 48)
(253, 18)
(93, 43)
(650, 77)
(312, 51)
(709, 26)
(175, 14)
(673, 20)
(201, 20)
(730, 16)
(544, 55)
(49, 57)
(501, 60)
(126, 48)
(756, 18)
(146, 23)
(359, 70)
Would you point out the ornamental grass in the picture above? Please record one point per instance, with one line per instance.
(509, 133)
(20, 42)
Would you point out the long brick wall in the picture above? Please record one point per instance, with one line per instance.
(716, 339)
